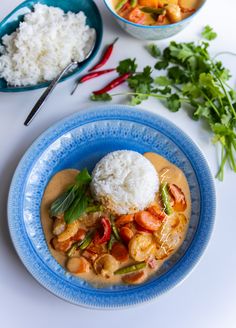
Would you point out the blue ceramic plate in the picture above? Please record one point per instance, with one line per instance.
(12, 21)
(80, 141)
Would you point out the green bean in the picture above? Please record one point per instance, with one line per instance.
(120, 4)
(131, 268)
(134, 3)
(86, 241)
(150, 10)
(74, 248)
(111, 242)
(166, 198)
(114, 229)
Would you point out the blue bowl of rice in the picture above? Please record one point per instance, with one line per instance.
(49, 35)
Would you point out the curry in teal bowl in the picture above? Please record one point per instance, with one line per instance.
(153, 19)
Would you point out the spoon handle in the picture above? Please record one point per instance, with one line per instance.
(46, 94)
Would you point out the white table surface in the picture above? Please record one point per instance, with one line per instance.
(207, 298)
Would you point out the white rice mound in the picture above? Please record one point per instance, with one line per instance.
(45, 42)
(124, 182)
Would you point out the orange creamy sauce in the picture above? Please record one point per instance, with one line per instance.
(166, 240)
(173, 11)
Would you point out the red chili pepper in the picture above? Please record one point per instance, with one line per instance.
(90, 76)
(105, 57)
(106, 232)
(113, 84)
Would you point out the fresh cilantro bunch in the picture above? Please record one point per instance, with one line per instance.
(191, 79)
(196, 79)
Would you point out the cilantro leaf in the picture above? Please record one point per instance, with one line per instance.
(202, 111)
(154, 50)
(208, 33)
(177, 75)
(173, 103)
(127, 66)
(141, 83)
(162, 64)
(181, 51)
(191, 90)
(163, 91)
(207, 81)
(163, 81)
(101, 97)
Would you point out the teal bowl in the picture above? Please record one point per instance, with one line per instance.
(145, 32)
(12, 21)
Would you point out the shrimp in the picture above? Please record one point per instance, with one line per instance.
(105, 265)
(135, 278)
(119, 252)
(173, 12)
(141, 246)
(180, 222)
(136, 16)
(78, 265)
(170, 235)
(80, 235)
(61, 246)
(59, 226)
(147, 221)
(180, 203)
(157, 212)
(126, 234)
(70, 231)
(124, 219)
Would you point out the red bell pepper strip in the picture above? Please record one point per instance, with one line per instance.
(106, 232)
(90, 76)
(113, 84)
(105, 57)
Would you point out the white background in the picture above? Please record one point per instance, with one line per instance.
(207, 297)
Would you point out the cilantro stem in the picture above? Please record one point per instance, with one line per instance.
(224, 156)
(227, 96)
(223, 87)
(211, 103)
(154, 95)
(234, 143)
(231, 156)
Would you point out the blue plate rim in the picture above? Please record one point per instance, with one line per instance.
(202, 236)
(67, 76)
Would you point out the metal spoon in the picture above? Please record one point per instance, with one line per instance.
(53, 84)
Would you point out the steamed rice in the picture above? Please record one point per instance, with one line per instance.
(124, 182)
(43, 45)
